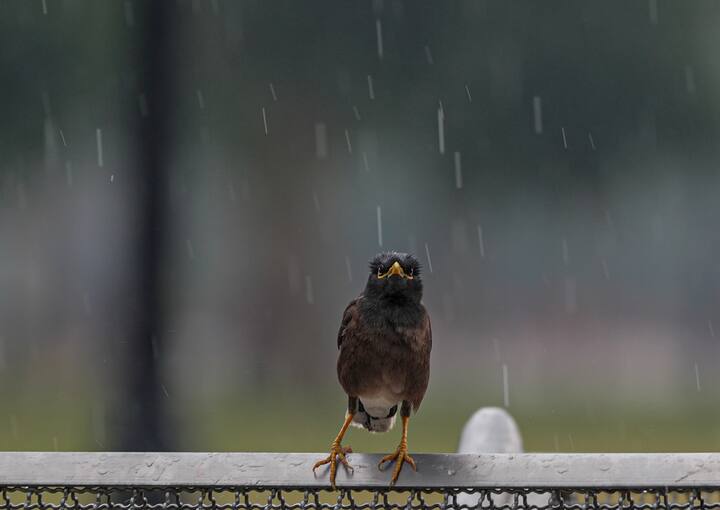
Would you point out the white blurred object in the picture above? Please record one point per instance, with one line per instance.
(490, 430)
(493, 430)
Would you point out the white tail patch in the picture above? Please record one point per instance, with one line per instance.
(374, 413)
(362, 420)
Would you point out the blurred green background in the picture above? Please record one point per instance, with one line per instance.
(554, 166)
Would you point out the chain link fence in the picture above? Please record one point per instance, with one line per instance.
(232, 498)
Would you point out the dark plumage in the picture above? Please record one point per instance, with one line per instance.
(384, 360)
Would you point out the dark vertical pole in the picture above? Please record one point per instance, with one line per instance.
(142, 426)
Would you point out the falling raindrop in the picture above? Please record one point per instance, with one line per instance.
(165, 391)
(537, 114)
(99, 140)
(467, 91)
(215, 6)
(458, 171)
(309, 296)
(347, 140)
(371, 88)
(349, 268)
(112, 178)
(606, 270)
(427, 254)
(232, 192)
(316, 201)
(378, 31)
(697, 377)
(653, 11)
(62, 138)
(356, 112)
(565, 252)
(51, 148)
(265, 121)
(398, 8)
(441, 129)
(129, 14)
(272, 92)
(55, 444)
(506, 386)
(564, 137)
(711, 329)
(379, 226)
(200, 99)
(190, 250)
(592, 141)
(44, 7)
(428, 55)
(481, 241)
(320, 140)
(365, 161)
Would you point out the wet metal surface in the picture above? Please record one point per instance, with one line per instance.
(294, 470)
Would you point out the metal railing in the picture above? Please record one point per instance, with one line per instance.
(230, 481)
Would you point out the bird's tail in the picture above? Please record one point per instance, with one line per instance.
(361, 418)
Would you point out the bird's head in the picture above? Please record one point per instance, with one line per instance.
(395, 276)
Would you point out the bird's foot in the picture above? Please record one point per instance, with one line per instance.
(337, 451)
(400, 456)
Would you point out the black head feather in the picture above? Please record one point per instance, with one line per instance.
(395, 288)
(382, 262)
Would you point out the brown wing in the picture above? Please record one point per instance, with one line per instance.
(419, 376)
(348, 315)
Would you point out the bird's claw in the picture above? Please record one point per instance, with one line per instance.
(400, 456)
(336, 451)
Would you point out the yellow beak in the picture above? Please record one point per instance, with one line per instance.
(395, 269)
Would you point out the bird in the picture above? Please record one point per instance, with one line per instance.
(383, 364)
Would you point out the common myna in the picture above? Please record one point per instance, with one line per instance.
(384, 359)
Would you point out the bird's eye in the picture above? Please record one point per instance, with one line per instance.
(380, 271)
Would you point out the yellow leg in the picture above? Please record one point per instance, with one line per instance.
(336, 450)
(401, 455)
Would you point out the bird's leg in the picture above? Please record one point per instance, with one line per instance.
(336, 449)
(401, 455)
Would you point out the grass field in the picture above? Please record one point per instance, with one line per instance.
(282, 420)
